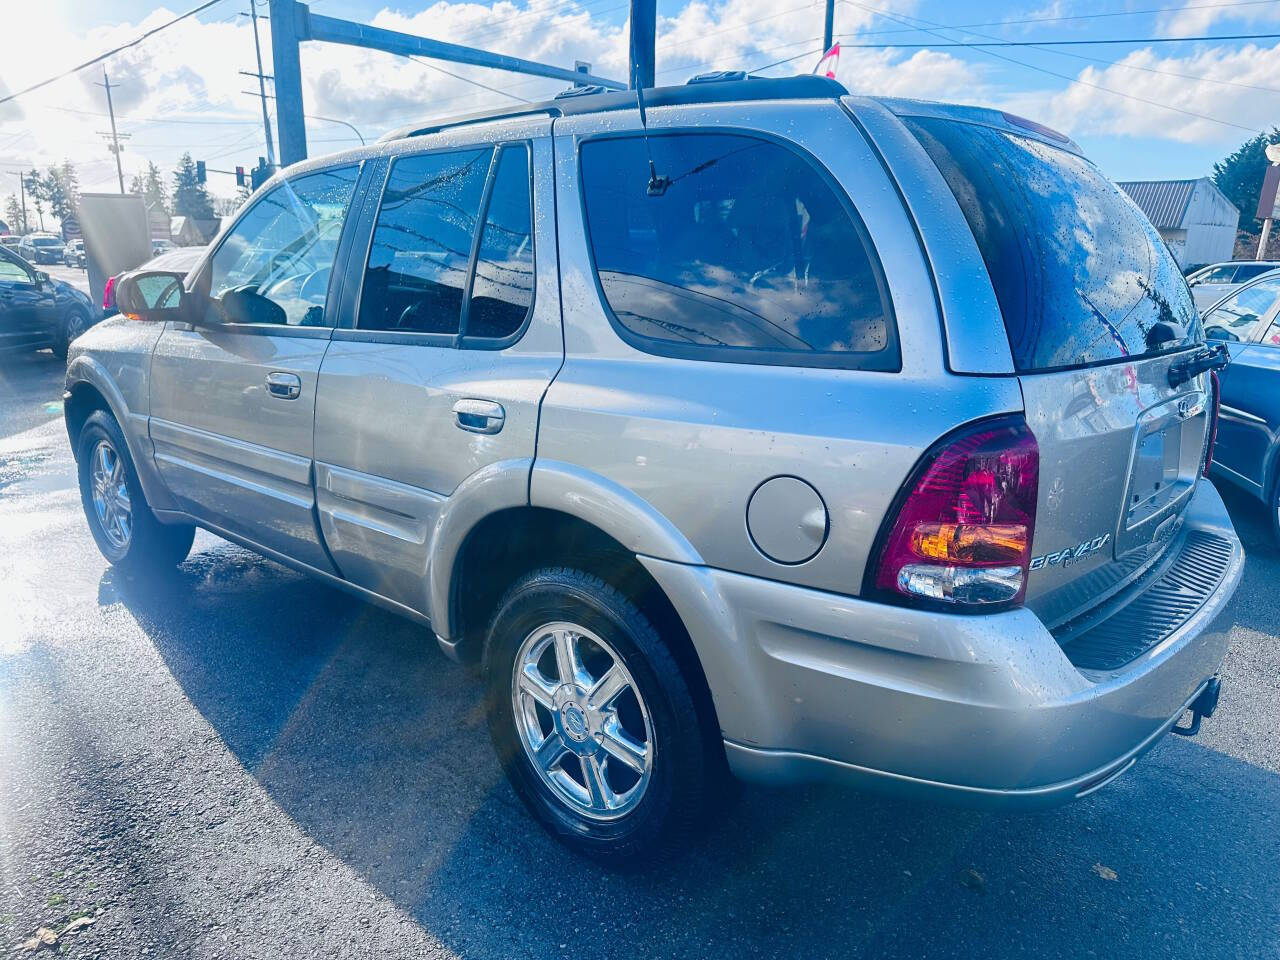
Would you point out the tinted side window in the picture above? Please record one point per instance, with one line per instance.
(11, 272)
(421, 246)
(503, 289)
(275, 266)
(1080, 273)
(1235, 317)
(750, 254)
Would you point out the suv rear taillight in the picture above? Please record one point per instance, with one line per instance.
(962, 534)
(109, 294)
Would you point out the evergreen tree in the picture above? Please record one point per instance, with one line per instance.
(59, 187)
(13, 214)
(1240, 175)
(190, 198)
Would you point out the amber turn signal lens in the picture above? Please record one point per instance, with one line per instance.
(970, 543)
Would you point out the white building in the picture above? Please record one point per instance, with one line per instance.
(1195, 218)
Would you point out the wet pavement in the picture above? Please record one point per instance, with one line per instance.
(239, 762)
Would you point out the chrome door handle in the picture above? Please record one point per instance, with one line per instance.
(284, 386)
(479, 416)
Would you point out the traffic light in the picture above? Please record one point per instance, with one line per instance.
(239, 176)
(201, 177)
(260, 174)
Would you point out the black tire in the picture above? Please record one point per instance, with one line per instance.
(1274, 505)
(684, 768)
(75, 322)
(151, 546)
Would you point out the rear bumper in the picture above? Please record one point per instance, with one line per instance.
(985, 710)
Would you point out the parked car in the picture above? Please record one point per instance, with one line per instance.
(41, 248)
(73, 254)
(37, 311)
(159, 247)
(852, 439)
(1248, 439)
(178, 260)
(1210, 284)
(11, 240)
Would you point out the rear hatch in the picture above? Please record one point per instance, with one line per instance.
(1096, 311)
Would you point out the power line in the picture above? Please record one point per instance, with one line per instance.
(981, 48)
(1016, 21)
(458, 76)
(114, 50)
(1134, 41)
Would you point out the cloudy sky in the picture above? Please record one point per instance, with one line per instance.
(1141, 110)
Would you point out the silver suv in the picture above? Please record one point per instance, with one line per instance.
(795, 435)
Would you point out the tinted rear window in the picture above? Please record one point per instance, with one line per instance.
(751, 254)
(1080, 273)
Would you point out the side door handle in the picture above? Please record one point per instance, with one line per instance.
(284, 386)
(479, 416)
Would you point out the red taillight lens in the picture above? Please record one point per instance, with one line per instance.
(109, 294)
(1216, 386)
(963, 533)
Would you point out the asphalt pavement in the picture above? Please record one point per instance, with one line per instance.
(240, 762)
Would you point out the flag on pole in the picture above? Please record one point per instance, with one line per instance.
(827, 65)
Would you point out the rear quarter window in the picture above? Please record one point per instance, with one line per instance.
(1081, 275)
(752, 254)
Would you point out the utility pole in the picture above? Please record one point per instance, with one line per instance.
(262, 85)
(115, 137)
(22, 192)
(827, 30)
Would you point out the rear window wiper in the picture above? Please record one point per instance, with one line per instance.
(1206, 358)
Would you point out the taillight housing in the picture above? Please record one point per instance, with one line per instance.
(109, 294)
(1215, 387)
(961, 537)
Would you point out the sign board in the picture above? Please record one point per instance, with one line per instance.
(1267, 201)
(117, 236)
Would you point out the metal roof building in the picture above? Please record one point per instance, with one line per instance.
(1194, 217)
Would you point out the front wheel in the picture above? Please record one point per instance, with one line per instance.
(73, 324)
(592, 718)
(122, 524)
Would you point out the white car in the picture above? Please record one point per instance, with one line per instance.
(1210, 284)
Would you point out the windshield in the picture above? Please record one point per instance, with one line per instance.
(46, 242)
(1081, 275)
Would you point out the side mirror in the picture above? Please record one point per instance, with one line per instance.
(156, 296)
(42, 278)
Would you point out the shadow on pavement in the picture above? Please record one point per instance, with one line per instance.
(375, 745)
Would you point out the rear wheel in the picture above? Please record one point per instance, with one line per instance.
(122, 524)
(592, 718)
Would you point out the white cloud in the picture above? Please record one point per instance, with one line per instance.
(1198, 16)
(1145, 76)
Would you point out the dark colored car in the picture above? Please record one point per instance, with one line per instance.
(37, 311)
(1247, 451)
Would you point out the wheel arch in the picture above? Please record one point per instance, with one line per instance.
(508, 543)
(89, 387)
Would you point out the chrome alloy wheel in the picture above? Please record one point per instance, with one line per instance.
(111, 495)
(582, 722)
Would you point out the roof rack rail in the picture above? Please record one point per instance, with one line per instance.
(728, 87)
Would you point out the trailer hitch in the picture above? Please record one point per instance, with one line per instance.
(1202, 706)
